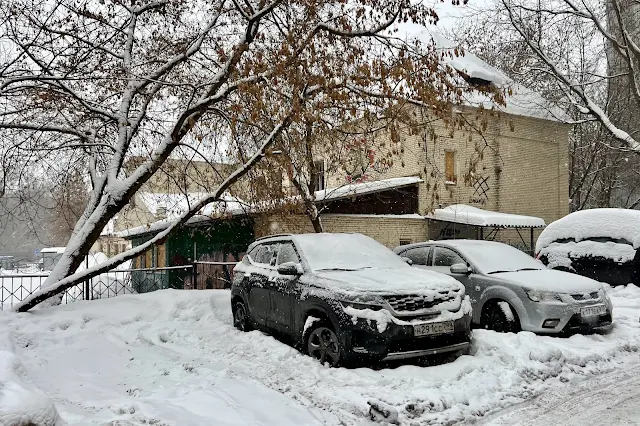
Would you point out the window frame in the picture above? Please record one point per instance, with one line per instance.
(425, 247)
(433, 256)
(295, 250)
(320, 183)
(454, 165)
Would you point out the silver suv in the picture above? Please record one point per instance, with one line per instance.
(511, 291)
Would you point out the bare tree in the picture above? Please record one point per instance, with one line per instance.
(546, 44)
(593, 17)
(111, 80)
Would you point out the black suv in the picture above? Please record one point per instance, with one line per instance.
(346, 299)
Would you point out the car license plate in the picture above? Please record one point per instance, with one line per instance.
(433, 328)
(590, 311)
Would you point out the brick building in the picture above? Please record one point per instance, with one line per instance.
(517, 164)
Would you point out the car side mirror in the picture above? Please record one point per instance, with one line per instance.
(290, 268)
(460, 268)
(407, 260)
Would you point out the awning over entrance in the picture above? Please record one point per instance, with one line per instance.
(463, 221)
(469, 215)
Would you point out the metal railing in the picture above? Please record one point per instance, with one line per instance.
(14, 288)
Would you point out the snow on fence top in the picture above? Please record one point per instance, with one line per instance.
(616, 224)
(469, 215)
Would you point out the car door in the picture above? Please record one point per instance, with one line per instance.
(257, 274)
(283, 290)
(441, 261)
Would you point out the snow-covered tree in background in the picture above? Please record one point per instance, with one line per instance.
(108, 80)
(576, 55)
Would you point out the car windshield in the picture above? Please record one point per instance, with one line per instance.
(346, 252)
(494, 258)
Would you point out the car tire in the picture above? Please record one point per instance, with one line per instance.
(495, 318)
(322, 343)
(241, 319)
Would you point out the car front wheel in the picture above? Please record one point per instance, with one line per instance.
(322, 344)
(501, 317)
(241, 317)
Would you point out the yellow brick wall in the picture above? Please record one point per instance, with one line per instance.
(523, 160)
(386, 230)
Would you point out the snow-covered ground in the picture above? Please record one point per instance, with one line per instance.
(609, 399)
(173, 358)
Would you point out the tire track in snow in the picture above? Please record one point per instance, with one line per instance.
(610, 399)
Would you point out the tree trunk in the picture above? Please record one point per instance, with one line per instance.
(314, 216)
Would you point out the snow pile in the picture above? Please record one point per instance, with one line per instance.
(615, 224)
(469, 215)
(20, 403)
(173, 357)
(561, 254)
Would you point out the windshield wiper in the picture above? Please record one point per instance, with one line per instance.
(345, 269)
(528, 269)
(336, 269)
(497, 272)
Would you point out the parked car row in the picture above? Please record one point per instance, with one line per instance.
(346, 299)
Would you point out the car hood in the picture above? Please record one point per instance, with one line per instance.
(551, 280)
(388, 281)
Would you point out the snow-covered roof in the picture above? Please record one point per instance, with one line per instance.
(615, 224)
(227, 206)
(469, 215)
(520, 100)
(232, 206)
(365, 188)
(53, 250)
(170, 205)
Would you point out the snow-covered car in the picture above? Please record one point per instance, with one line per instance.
(511, 291)
(599, 243)
(346, 299)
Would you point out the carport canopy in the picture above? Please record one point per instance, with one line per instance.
(479, 219)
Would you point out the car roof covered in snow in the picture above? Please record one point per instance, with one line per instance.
(618, 225)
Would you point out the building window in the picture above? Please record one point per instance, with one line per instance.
(404, 241)
(450, 166)
(318, 168)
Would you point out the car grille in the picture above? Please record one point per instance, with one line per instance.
(587, 296)
(413, 303)
(428, 342)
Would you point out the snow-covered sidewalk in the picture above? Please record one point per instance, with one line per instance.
(174, 358)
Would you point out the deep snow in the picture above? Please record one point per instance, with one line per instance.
(173, 358)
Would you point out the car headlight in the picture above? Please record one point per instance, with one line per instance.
(543, 296)
(356, 305)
